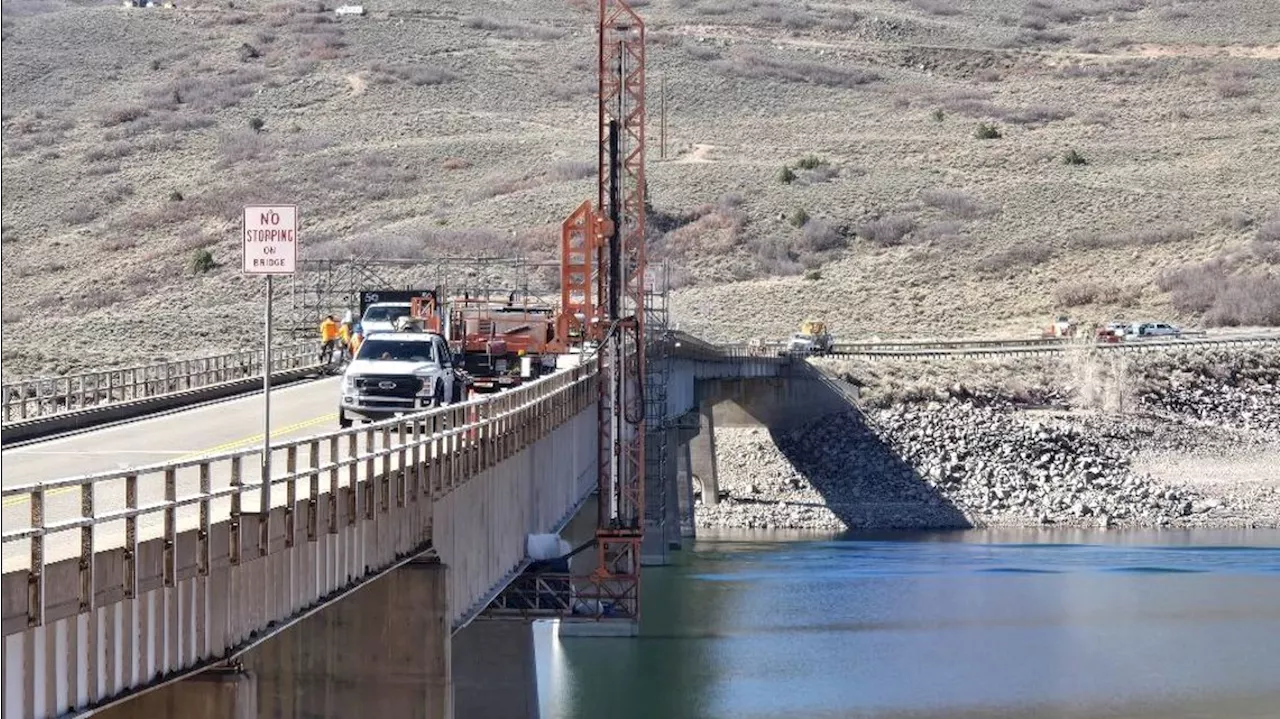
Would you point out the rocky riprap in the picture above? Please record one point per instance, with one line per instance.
(1228, 389)
(953, 463)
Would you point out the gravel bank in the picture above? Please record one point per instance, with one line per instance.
(1195, 448)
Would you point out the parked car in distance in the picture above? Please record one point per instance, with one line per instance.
(1152, 329)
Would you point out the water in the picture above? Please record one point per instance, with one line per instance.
(1061, 624)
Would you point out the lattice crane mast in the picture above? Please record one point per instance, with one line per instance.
(602, 303)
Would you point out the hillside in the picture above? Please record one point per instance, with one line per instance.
(132, 137)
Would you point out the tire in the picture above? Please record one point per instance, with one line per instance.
(343, 421)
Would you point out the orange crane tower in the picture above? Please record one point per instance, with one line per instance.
(602, 302)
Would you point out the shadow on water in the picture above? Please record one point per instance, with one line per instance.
(831, 443)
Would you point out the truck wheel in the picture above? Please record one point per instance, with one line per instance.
(343, 421)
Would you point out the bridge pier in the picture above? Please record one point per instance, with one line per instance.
(495, 671)
(702, 460)
(662, 502)
(684, 478)
(219, 693)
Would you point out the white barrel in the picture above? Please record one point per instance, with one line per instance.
(546, 546)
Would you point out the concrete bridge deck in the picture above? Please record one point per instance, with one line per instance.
(124, 579)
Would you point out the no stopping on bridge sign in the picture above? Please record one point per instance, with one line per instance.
(270, 239)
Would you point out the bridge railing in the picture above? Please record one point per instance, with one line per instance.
(432, 451)
(45, 397)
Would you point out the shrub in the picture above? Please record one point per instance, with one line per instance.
(455, 163)
(820, 236)
(887, 231)
(799, 217)
(1076, 294)
(176, 196)
(812, 162)
(1025, 255)
(202, 261)
(987, 132)
(955, 203)
(1224, 297)
(122, 114)
(938, 115)
(813, 275)
(1074, 158)
(256, 123)
(786, 176)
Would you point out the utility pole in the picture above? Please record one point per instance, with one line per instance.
(662, 121)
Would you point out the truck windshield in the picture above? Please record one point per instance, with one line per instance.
(395, 351)
(385, 314)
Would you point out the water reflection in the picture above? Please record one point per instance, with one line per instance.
(1067, 623)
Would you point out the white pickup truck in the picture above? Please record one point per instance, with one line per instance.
(396, 373)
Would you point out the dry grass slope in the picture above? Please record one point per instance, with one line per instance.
(132, 137)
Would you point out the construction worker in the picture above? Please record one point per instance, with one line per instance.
(344, 336)
(357, 336)
(328, 338)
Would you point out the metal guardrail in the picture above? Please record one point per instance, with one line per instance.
(1047, 346)
(47, 397)
(432, 451)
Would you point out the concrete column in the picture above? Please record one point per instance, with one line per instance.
(672, 532)
(660, 522)
(383, 651)
(495, 674)
(703, 457)
(684, 475)
(221, 693)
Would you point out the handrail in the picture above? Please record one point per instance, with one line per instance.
(51, 396)
(437, 449)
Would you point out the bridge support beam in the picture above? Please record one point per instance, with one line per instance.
(703, 455)
(684, 478)
(495, 673)
(662, 502)
(219, 693)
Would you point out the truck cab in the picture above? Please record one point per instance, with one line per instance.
(394, 374)
(382, 316)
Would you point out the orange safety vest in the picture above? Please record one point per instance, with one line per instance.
(328, 330)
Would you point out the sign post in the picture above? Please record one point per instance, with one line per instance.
(270, 248)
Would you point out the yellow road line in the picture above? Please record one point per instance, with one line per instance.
(224, 447)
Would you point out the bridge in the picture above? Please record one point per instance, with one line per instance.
(123, 578)
(149, 571)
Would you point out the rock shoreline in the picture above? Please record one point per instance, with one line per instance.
(963, 459)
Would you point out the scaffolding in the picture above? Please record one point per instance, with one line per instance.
(324, 286)
(657, 372)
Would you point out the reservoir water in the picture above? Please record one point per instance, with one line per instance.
(1069, 624)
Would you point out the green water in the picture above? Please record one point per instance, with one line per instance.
(1069, 624)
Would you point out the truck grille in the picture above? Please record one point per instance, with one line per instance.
(387, 385)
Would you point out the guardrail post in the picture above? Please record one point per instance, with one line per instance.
(385, 481)
(415, 459)
(131, 537)
(203, 558)
(369, 483)
(35, 574)
(170, 527)
(86, 548)
(333, 485)
(435, 470)
(353, 477)
(291, 494)
(314, 497)
(237, 484)
(402, 477)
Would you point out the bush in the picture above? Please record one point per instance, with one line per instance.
(1018, 256)
(813, 275)
(811, 162)
(1224, 297)
(939, 115)
(786, 176)
(888, 230)
(256, 124)
(176, 196)
(1074, 158)
(820, 236)
(955, 203)
(987, 132)
(799, 217)
(202, 261)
